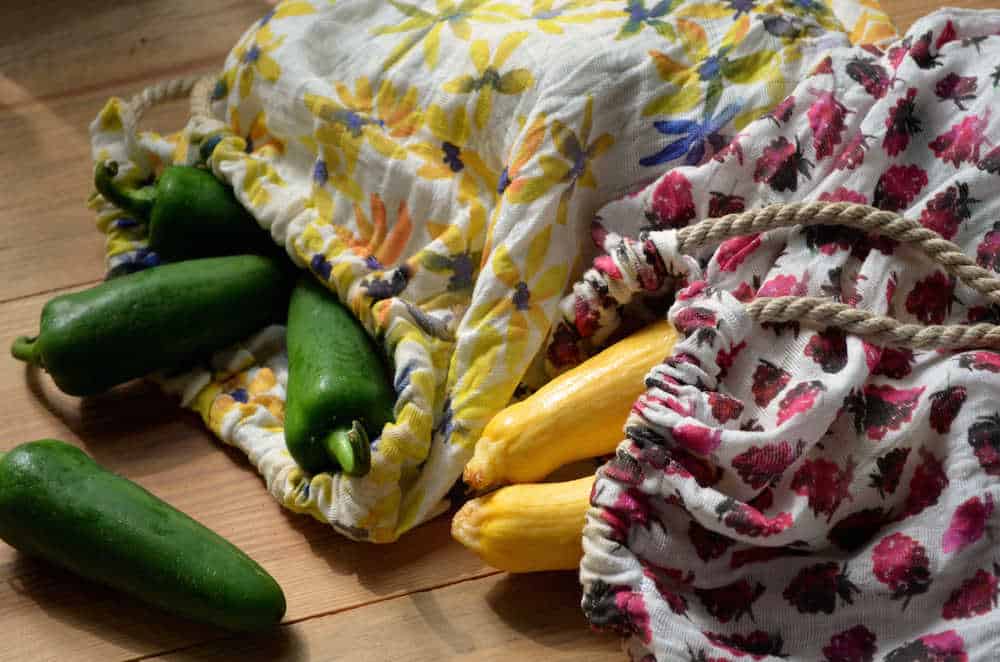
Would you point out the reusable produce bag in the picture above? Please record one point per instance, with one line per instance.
(437, 165)
(788, 493)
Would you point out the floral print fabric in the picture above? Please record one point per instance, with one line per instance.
(788, 493)
(436, 165)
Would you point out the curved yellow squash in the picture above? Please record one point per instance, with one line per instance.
(527, 528)
(579, 414)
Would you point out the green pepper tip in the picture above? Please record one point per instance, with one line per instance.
(350, 448)
(138, 202)
(25, 349)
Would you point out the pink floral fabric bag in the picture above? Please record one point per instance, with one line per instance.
(792, 493)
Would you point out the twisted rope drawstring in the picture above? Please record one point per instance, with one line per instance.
(595, 299)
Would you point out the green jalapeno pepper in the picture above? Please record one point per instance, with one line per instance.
(190, 214)
(158, 319)
(338, 393)
(56, 503)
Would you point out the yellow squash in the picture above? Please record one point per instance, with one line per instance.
(579, 414)
(527, 528)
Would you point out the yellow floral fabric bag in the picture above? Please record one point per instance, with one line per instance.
(437, 166)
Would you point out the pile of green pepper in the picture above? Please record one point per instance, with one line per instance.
(219, 279)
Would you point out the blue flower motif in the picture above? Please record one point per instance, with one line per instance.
(240, 395)
(695, 136)
(403, 379)
(461, 270)
(638, 15)
(741, 7)
(710, 68)
(372, 263)
(504, 181)
(266, 18)
(252, 54)
(452, 156)
(321, 266)
(320, 175)
(220, 90)
(522, 296)
(125, 222)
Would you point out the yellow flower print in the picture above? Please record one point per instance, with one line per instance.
(361, 116)
(713, 70)
(551, 17)
(288, 9)
(258, 137)
(488, 78)
(255, 60)
(374, 241)
(574, 168)
(527, 290)
(426, 25)
(329, 170)
(457, 251)
(450, 159)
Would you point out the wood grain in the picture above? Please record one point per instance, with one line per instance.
(498, 618)
(425, 598)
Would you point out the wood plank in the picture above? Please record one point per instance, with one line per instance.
(54, 48)
(497, 618)
(143, 435)
(55, 80)
(905, 12)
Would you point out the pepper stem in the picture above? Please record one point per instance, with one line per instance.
(135, 201)
(25, 349)
(350, 448)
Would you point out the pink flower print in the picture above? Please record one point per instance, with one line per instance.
(984, 437)
(697, 439)
(852, 155)
(825, 484)
(781, 164)
(725, 359)
(901, 563)
(931, 298)
(768, 381)
(956, 88)
(721, 204)
(898, 186)
(963, 141)
(744, 292)
(988, 252)
(800, 398)
(673, 205)
(760, 465)
(967, 524)
(816, 588)
(758, 644)
(921, 52)
(825, 66)
(692, 318)
(732, 252)
(724, 408)
(826, 119)
(991, 162)
(633, 606)
(730, 602)
(926, 485)
(889, 470)
(894, 362)
(901, 123)
(942, 647)
(881, 408)
(828, 349)
(945, 405)
(947, 34)
(784, 285)
(947, 209)
(871, 75)
(746, 520)
(854, 645)
(843, 194)
(976, 596)
(980, 361)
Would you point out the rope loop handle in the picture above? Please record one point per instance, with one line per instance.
(199, 88)
(631, 266)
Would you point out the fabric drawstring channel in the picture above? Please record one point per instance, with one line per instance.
(667, 253)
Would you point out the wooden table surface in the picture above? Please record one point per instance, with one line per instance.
(424, 598)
